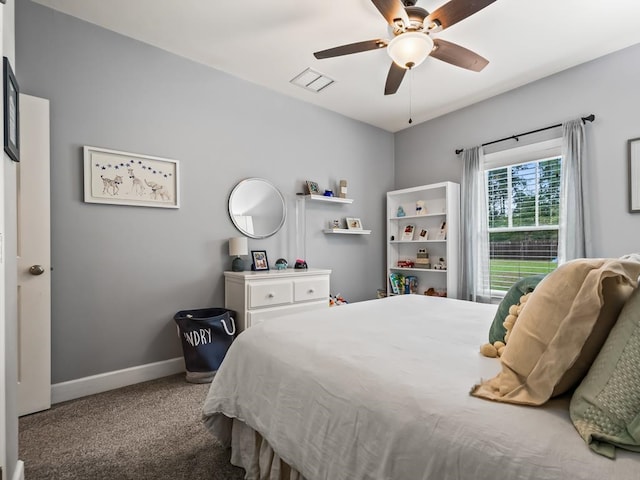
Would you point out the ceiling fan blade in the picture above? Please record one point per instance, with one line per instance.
(392, 10)
(454, 11)
(457, 55)
(351, 48)
(394, 79)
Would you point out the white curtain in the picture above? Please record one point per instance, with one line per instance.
(474, 235)
(573, 228)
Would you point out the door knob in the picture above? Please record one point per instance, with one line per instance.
(36, 270)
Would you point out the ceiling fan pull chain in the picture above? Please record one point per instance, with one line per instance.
(410, 92)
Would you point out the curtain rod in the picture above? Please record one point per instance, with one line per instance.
(588, 118)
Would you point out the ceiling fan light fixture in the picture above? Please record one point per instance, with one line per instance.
(410, 49)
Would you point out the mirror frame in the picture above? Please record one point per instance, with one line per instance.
(244, 182)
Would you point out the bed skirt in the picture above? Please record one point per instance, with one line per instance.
(252, 452)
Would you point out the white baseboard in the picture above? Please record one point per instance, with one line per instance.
(18, 473)
(81, 387)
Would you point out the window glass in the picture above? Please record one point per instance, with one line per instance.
(523, 204)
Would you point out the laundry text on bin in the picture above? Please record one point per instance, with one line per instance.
(198, 337)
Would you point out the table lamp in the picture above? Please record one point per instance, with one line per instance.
(238, 246)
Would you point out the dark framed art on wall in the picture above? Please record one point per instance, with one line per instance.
(11, 112)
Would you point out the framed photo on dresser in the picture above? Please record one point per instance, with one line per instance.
(260, 261)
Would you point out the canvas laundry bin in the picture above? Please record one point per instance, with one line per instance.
(206, 335)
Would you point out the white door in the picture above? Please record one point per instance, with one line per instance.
(34, 258)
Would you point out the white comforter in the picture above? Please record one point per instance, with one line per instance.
(380, 390)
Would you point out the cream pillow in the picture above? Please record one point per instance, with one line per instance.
(561, 330)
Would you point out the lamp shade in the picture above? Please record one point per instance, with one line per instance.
(408, 50)
(238, 246)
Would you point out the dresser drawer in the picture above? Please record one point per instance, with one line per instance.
(258, 316)
(268, 294)
(311, 289)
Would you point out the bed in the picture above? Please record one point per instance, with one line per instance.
(380, 390)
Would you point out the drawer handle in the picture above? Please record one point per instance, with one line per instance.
(311, 290)
(271, 295)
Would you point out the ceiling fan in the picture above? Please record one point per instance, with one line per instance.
(412, 43)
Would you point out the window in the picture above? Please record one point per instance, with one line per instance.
(523, 201)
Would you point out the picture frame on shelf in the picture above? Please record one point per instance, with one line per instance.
(634, 175)
(11, 112)
(407, 233)
(442, 233)
(424, 234)
(312, 188)
(260, 262)
(354, 223)
(123, 178)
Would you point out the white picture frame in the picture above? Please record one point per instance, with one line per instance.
(122, 178)
(354, 223)
(442, 233)
(423, 234)
(407, 233)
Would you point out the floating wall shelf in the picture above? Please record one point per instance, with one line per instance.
(322, 198)
(345, 231)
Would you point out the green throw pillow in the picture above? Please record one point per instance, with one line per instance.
(605, 408)
(521, 287)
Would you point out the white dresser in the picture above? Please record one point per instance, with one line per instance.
(258, 296)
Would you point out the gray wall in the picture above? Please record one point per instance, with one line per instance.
(120, 273)
(607, 87)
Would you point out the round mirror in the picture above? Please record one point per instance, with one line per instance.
(257, 208)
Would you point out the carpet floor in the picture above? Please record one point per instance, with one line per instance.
(151, 430)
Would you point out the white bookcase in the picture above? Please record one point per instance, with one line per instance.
(440, 205)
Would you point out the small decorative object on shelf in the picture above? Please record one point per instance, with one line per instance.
(300, 265)
(441, 265)
(410, 284)
(432, 292)
(342, 189)
(420, 208)
(281, 264)
(424, 234)
(407, 233)
(408, 263)
(312, 188)
(400, 212)
(334, 224)
(422, 260)
(442, 234)
(328, 193)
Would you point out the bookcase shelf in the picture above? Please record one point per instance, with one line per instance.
(440, 205)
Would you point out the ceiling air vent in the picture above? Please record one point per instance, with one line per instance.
(312, 80)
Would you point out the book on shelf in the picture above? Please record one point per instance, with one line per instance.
(403, 285)
(396, 281)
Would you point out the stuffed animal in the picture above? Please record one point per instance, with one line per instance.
(496, 349)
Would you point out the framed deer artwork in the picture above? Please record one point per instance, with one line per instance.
(122, 178)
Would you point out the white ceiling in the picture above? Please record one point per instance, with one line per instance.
(270, 42)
